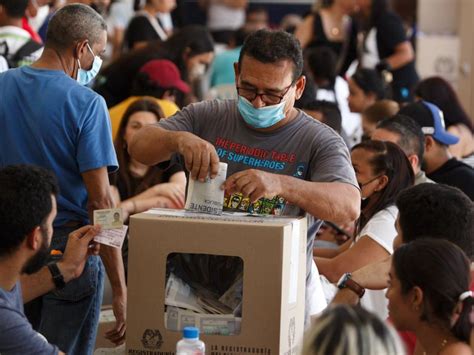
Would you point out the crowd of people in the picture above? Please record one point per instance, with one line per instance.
(108, 104)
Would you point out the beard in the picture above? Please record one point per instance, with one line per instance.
(38, 260)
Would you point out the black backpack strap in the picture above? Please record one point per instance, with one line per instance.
(26, 50)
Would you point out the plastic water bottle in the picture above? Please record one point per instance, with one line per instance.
(190, 344)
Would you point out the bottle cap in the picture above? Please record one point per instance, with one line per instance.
(191, 333)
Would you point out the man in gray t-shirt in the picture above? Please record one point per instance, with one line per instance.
(280, 161)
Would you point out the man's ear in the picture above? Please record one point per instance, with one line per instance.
(414, 161)
(34, 239)
(236, 72)
(80, 49)
(429, 143)
(300, 85)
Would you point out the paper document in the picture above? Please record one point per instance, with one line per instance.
(207, 196)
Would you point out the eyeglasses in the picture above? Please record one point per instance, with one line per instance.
(269, 99)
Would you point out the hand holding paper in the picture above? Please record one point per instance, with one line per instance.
(207, 196)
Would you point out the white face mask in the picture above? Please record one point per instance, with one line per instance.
(197, 71)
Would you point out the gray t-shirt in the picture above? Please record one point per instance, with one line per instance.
(304, 148)
(16, 334)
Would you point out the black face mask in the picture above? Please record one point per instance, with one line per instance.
(38, 260)
(364, 203)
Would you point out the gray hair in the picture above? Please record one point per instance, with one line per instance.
(74, 23)
(351, 330)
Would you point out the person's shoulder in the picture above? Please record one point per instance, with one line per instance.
(458, 348)
(315, 126)
(388, 213)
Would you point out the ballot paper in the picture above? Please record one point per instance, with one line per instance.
(179, 294)
(207, 196)
(210, 324)
(113, 231)
(110, 218)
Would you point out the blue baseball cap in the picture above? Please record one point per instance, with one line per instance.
(431, 120)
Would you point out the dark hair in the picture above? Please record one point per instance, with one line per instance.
(268, 46)
(439, 92)
(73, 23)
(115, 81)
(370, 81)
(391, 161)
(14, 8)
(411, 138)
(143, 86)
(239, 36)
(381, 110)
(330, 112)
(377, 10)
(148, 105)
(441, 270)
(437, 210)
(345, 329)
(25, 203)
(322, 61)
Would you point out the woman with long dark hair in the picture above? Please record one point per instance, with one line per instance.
(331, 26)
(439, 92)
(382, 171)
(429, 294)
(137, 187)
(386, 48)
(191, 49)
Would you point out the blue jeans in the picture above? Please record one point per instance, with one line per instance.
(70, 317)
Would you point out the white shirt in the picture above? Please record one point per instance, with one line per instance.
(380, 228)
(222, 17)
(12, 38)
(351, 122)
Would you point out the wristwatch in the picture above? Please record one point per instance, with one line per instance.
(58, 278)
(346, 282)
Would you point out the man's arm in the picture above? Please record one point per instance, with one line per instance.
(100, 197)
(199, 155)
(332, 201)
(373, 277)
(72, 264)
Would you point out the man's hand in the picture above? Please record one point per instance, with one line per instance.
(254, 184)
(79, 246)
(200, 156)
(117, 334)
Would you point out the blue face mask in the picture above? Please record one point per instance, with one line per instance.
(263, 117)
(84, 77)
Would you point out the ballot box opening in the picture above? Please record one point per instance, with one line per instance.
(204, 291)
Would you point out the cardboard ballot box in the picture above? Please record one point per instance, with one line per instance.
(273, 252)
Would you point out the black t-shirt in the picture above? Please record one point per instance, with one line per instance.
(389, 34)
(140, 30)
(455, 173)
(163, 173)
(320, 40)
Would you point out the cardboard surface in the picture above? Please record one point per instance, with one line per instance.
(274, 254)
